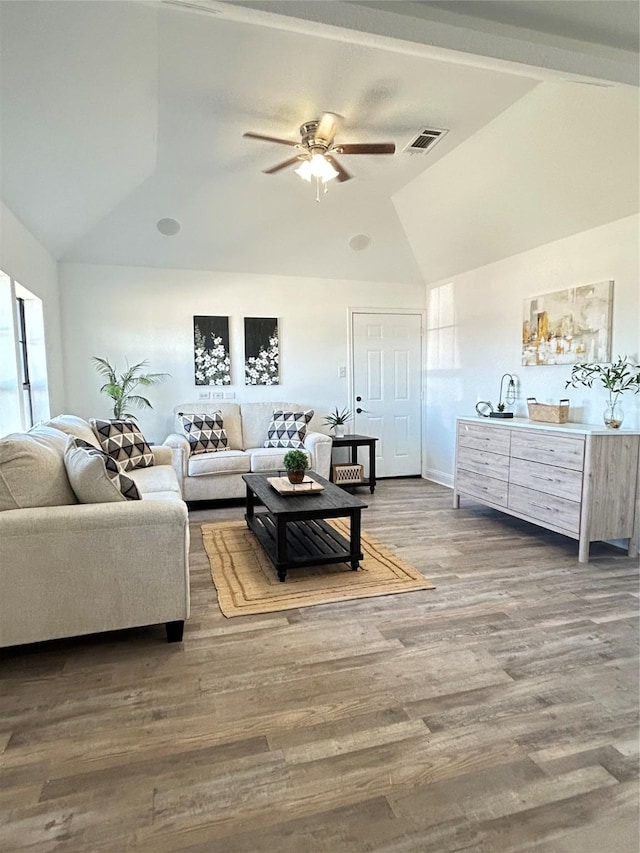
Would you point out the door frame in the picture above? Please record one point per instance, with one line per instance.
(418, 312)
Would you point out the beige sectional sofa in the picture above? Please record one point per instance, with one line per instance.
(70, 568)
(218, 475)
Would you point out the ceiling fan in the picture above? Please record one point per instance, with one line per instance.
(316, 150)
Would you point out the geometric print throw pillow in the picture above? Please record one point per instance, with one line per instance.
(288, 429)
(123, 441)
(96, 477)
(204, 432)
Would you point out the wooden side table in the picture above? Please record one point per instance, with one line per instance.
(354, 442)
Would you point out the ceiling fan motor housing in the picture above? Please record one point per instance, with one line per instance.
(310, 141)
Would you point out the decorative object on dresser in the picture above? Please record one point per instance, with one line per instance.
(574, 479)
(121, 388)
(567, 326)
(548, 413)
(510, 398)
(618, 377)
(336, 421)
(296, 463)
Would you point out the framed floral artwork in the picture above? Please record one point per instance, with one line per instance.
(211, 360)
(261, 358)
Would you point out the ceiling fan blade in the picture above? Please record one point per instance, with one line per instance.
(250, 135)
(368, 148)
(283, 165)
(343, 175)
(327, 126)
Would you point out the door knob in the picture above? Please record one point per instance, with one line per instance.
(359, 411)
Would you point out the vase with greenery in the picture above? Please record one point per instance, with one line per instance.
(296, 463)
(121, 388)
(337, 419)
(617, 377)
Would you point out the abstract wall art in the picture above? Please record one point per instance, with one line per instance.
(261, 357)
(569, 326)
(212, 363)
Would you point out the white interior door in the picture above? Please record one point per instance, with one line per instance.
(387, 354)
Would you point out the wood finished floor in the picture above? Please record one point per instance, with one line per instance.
(496, 713)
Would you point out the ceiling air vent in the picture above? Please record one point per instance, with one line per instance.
(424, 141)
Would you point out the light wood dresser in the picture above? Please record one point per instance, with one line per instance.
(575, 479)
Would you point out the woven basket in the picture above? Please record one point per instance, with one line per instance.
(343, 474)
(547, 413)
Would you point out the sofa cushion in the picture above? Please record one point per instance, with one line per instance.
(158, 478)
(205, 432)
(96, 477)
(32, 471)
(75, 426)
(288, 429)
(123, 441)
(230, 416)
(224, 462)
(268, 459)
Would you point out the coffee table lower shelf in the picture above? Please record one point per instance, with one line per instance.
(307, 543)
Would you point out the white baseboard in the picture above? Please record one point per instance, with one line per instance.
(440, 477)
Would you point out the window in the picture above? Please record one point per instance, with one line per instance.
(27, 403)
(24, 391)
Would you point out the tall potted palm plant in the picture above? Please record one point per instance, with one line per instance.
(121, 388)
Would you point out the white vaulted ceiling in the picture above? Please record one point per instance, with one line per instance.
(116, 115)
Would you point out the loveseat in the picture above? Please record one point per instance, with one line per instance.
(206, 476)
(69, 568)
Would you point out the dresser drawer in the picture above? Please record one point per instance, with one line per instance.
(483, 462)
(551, 449)
(480, 437)
(482, 487)
(550, 479)
(548, 509)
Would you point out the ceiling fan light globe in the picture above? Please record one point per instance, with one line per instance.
(321, 168)
(304, 170)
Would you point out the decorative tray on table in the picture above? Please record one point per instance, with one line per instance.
(284, 487)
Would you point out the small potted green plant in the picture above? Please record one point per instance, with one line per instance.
(617, 377)
(296, 462)
(336, 420)
(121, 388)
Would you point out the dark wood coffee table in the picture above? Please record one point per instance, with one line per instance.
(292, 529)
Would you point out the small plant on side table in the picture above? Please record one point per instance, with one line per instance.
(617, 377)
(296, 462)
(336, 420)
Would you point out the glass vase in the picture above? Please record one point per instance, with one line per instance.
(613, 416)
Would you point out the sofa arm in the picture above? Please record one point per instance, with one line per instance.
(320, 446)
(162, 455)
(179, 453)
(72, 570)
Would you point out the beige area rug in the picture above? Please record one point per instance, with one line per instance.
(247, 582)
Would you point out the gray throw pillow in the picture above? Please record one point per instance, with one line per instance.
(96, 477)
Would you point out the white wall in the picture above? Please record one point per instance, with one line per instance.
(137, 312)
(26, 261)
(475, 322)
